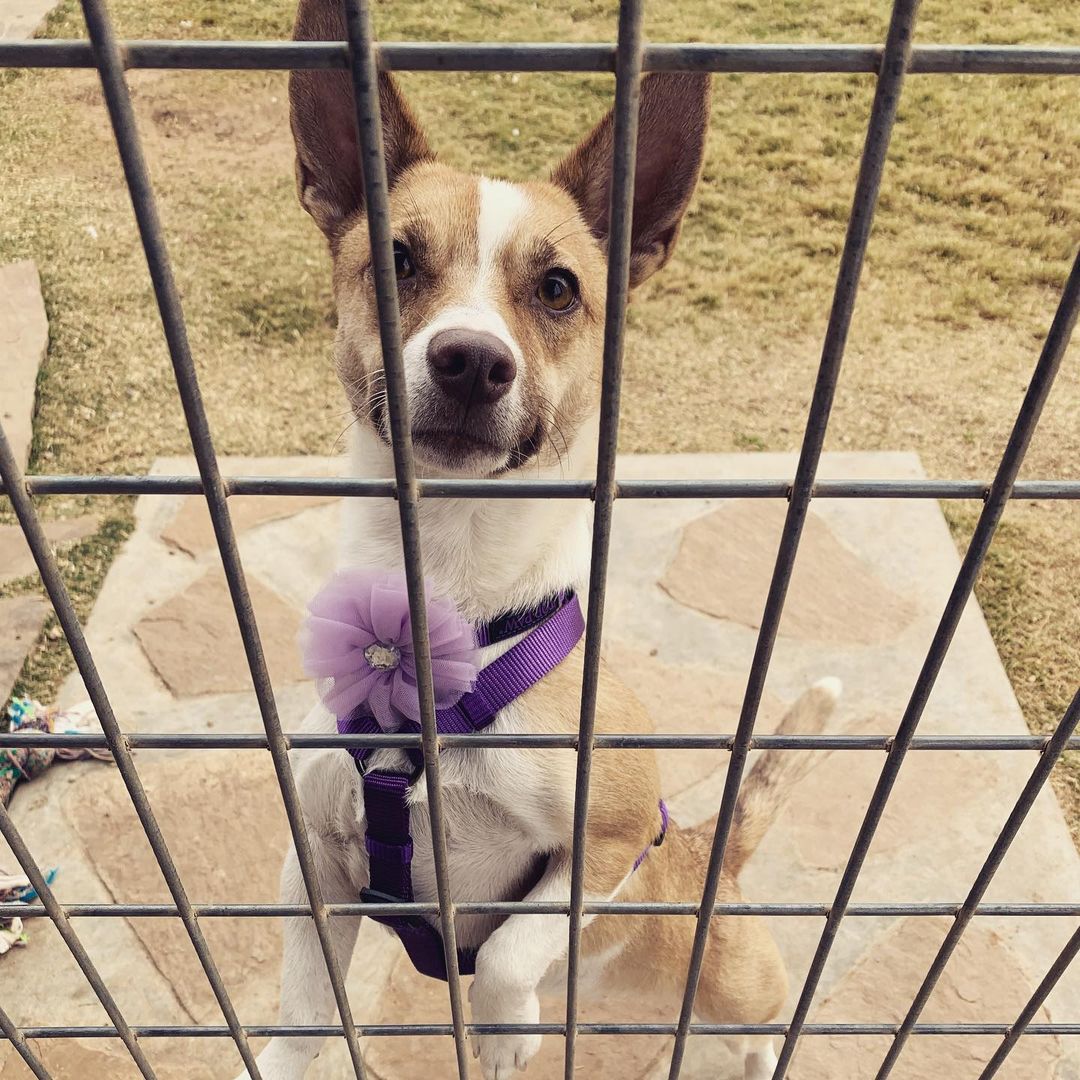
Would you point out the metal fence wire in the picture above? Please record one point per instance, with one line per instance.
(363, 57)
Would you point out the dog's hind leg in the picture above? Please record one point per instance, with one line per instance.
(743, 982)
(306, 994)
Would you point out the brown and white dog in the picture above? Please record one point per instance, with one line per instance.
(502, 290)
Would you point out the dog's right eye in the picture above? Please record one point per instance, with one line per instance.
(403, 263)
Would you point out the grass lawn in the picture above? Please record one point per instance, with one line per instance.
(976, 227)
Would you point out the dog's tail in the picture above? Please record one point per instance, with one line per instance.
(765, 788)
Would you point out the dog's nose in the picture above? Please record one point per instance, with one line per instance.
(471, 366)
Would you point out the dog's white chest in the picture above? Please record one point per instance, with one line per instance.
(490, 857)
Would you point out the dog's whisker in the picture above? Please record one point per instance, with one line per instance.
(552, 415)
(344, 431)
(567, 236)
(555, 228)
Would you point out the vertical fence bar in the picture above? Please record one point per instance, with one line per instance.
(22, 1047)
(118, 101)
(1035, 1003)
(48, 900)
(1000, 491)
(894, 63)
(363, 64)
(1039, 776)
(624, 157)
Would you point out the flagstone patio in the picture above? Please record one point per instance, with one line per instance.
(687, 585)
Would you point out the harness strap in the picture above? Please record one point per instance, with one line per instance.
(390, 850)
(519, 668)
(555, 627)
(389, 838)
(500, 683)
(660, 836)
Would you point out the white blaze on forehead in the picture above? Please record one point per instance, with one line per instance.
(479, 307)
(502, 206)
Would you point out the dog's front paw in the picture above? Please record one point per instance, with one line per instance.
(270, 1071)
(500, 1054)
(285, 1059)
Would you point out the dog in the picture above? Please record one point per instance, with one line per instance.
(502, 294)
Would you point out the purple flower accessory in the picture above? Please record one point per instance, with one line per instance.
(357, 643)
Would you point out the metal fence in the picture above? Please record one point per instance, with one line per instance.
(363, 57)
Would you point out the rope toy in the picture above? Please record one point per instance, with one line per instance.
(25, 762)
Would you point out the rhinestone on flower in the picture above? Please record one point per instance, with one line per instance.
(357, 643)
(383, 657)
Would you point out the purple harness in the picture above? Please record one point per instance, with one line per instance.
(554, 628)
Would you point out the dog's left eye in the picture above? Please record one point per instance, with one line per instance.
(403, 263)
(558, 290)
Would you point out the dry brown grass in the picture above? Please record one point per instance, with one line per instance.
(971, 244)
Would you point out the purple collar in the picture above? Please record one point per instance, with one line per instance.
(510, 623)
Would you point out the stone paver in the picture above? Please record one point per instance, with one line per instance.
(192, 531)
(194, 643)
(217, 801)
(24, 340)
(984, 972)
(688, 660)
(834, 594)
(20, 19)
(21, 620)
(15, 558)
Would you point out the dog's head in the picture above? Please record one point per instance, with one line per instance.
(501, 286)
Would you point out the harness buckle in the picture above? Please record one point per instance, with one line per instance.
(373, 896)
(363, 768)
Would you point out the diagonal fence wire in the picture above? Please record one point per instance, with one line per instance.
(22, 1047)
(75, 946)
(1036, 782)
(624, 159)
(27, 517)
(364, 69)
(118, 101)
(1019, 438)
(879, 131)
(1035, 1003)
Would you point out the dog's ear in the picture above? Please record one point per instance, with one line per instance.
(672, 120)
(323, 117)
